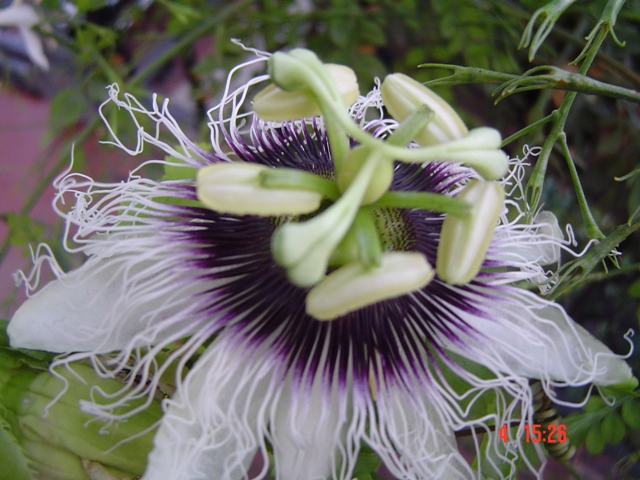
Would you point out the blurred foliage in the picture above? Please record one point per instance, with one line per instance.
(517, 66)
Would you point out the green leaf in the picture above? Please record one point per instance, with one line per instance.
(621, 390)
(631, 414)
(595, 439)
(4, 338)
(371, 32)
(613, 428)
(495, 460)
(85, 6)
(23, 230)
(634, 289)
(578, 426)
(367, 462)
(66, 108)
(478, 404)
(340, 31)
(33, 358)
(9, 361)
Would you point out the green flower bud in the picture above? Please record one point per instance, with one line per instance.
(236, 188)
(275, 104)
(402, 95)
(464, 241)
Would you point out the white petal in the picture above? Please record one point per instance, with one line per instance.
(531, 337)
(412, 439)
(539, 243)
(547, 251)
(34, 48)
(18, 15)
(307, 430)
(101, 307)
(209, 429)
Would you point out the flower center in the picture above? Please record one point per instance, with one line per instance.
(349, 254)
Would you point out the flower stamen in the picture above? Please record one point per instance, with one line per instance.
(354, 286)
(464, 241)
(305, 248)
(236, 188)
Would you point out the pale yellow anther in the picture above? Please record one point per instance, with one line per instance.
(353, 286)
(274, 104)
(235, 188)
(464, 241)
(402, 95)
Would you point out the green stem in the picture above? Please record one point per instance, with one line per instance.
(367, 238)
(572, 470)
(533, 188)
(411, 126)
(548, 76)
(554, 78)
(527, 129)
(434, 202)
(572, 274)
(299, 180)
(590, 223)
(305, 248)
(455, 151)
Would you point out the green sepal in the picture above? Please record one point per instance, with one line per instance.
(57, 435)
(479, 404)
(366, 464)
(51, 462)
(594, 440)
(621, 389)
(34, 358)
(15, 464)
(613, 428)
